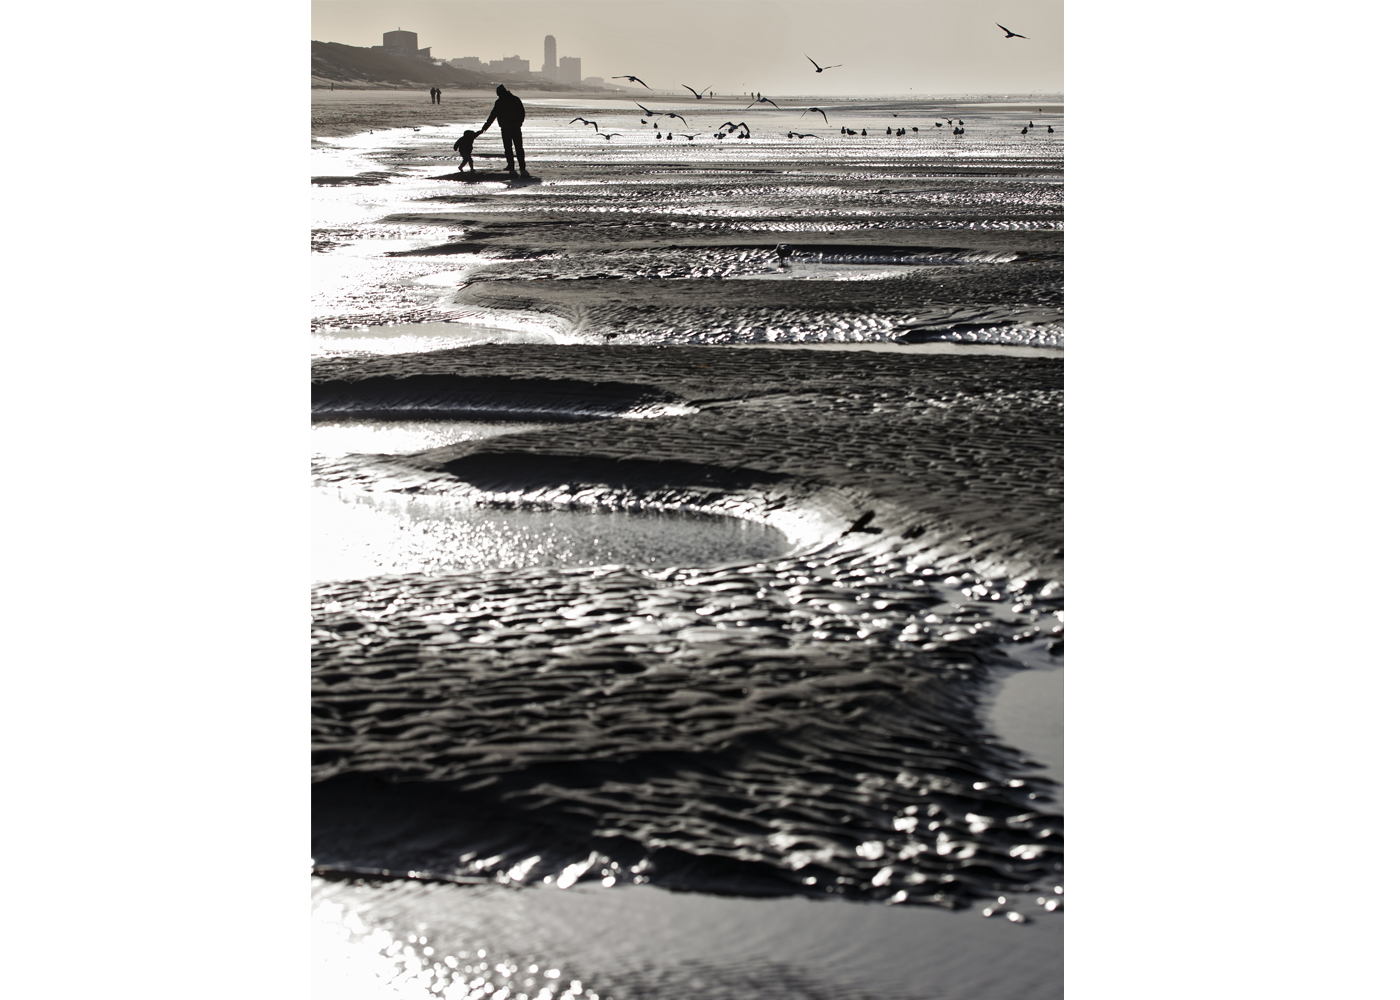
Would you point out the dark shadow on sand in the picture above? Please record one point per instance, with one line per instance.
(483, 176)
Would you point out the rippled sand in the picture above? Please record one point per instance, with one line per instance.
(508, 755)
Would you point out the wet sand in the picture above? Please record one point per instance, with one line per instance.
(811, 724)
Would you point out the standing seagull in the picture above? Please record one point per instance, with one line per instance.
(820, 68)
(818, 111)
(1009, 34)
(634, 79)
(698, 93)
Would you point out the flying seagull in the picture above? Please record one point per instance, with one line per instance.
(609, 135)
(586, 122)
(634, 79)
(763, 100)
(668, 114)
(820, 68)
(690, 137)
(802, 135)
(698, 93)
(1009, 34)
(818, 111)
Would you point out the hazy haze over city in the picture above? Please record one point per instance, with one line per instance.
(885, 47)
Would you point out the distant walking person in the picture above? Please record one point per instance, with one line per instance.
(464, 146)
(511, 114)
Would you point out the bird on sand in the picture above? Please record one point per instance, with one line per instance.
(1009, 34)
(698, 93)
(818, 111)
(1049, 128)
(763, 100)
(586, 122)
(1024, 131)
(937, 124)
(609, 135)
(634, 79)
(821, 68)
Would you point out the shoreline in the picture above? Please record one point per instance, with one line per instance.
(399, 107)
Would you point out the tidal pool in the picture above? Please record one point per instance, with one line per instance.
(403, 437)
(359, 535)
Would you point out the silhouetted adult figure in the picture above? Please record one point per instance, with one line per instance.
(511, 114)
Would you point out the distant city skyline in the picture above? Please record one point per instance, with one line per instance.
(884, 46)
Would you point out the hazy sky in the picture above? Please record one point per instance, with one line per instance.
(736, 46)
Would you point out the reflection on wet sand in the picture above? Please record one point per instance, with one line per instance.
(527, 730)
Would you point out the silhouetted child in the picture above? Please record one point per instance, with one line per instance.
(464, 146)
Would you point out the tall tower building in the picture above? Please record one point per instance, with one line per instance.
(551, 66)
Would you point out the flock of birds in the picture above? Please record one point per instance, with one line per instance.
(818, 66)
(729, 128)
(743, 129)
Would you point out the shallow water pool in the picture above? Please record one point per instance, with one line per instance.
(359, 535)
